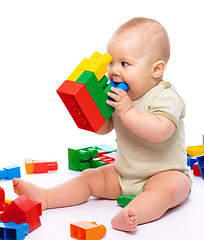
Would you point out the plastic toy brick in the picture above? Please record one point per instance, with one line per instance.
(87, 230)
(105, 148)
(200, 161)
(10, 172)
(196, 170)
(97, 90)
(123, 200)
(194, 151)
(23, 210)
(191, 161)
(75, 75)
(97, 64)
(2, 196)
(120, 85)
(35, 166)
(81, 106)
(79, 157)
(108, 157)
(95, 163)
(13, 231)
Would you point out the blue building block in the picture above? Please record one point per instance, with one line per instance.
(200, 161)
(13, 231)
(191, 161)
(120, 85)
(10, 172)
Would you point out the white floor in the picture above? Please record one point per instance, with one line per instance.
(183, 222)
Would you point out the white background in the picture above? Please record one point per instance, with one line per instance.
(41, 43)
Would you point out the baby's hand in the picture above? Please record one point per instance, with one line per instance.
(122, 102)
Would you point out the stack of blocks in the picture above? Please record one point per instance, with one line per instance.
(84, 92)
(19, 217)
(84, 157)
(195, 159)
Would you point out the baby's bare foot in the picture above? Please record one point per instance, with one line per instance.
(32, 191)
(125, 220)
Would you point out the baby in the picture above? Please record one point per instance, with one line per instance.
(148, 120)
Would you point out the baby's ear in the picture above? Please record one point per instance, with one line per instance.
(158, 69)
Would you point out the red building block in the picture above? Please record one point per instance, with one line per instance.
(2, 196)
(81, 105)
(2, 199)
(44, 167)
(23, 210)
(196, 170)
(87, 230)
(35, 166)
(3, 205)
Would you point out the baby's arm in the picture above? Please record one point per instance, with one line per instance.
(154, 128)
(107, 127)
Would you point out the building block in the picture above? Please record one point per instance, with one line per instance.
(191, 161)
(194, 151)
(13, 231)
(35, 166)
(10, 172)
(23, 210)
(120, 85)
(3, 203)
(98, 92)
(79, 157)
(81, 106)
(196, 170)
(86, 102)
(123, 200)
(108, 157)
(200, 160)
(96, 64)
(105, 148)
(75, 75)
(87, 230)
(2, 196)
(95, 163)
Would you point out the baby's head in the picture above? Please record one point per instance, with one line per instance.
(140, 49)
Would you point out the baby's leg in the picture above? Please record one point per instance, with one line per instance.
(161, 192)
(100, 182)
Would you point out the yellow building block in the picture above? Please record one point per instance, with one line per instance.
(8, 201)
(75, 75)
(97, 64)
(194, 151)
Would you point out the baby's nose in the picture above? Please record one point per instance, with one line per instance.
(115, 71)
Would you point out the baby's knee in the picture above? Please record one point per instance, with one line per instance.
(88, 173)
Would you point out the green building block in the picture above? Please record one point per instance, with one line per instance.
(95, 163)
(123, 200)
(79, 157)
(105, 148)
(98, 90)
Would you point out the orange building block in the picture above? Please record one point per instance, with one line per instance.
(87, 230)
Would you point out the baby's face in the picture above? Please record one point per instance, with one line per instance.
(131, 63)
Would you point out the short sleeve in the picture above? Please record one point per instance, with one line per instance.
(168, 103)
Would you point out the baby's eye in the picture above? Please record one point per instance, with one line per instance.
(111, 63)
(125, 64)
